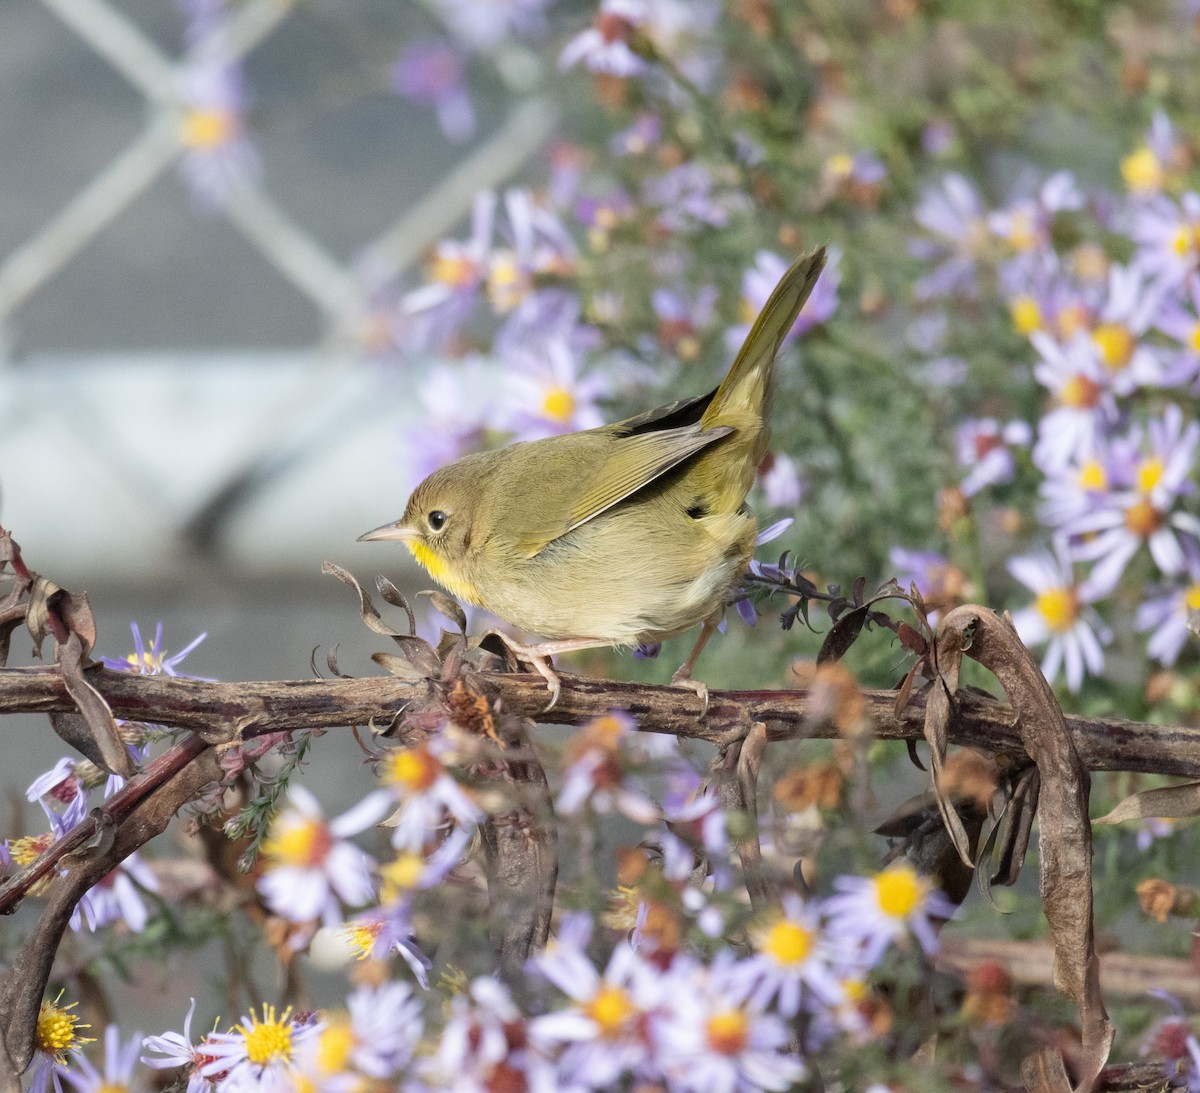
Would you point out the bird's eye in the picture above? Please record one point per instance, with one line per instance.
(437, 520)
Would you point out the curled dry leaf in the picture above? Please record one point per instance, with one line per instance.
(110, 751)
(366, 608)
(1066, 836)
(448, 606)
(391, 594)
(1163, 803)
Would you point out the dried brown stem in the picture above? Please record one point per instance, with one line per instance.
(215, 710)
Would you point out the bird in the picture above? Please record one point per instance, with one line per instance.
(619, 535)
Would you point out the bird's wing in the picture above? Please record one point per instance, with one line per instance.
(686, 411)
(630, 463)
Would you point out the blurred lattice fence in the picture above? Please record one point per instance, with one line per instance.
(176, 475)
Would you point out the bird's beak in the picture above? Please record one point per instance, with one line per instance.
(396, 530)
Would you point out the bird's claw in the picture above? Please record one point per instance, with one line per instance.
(698, 686)
(545, 669)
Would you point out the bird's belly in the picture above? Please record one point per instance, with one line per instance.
(615, 581)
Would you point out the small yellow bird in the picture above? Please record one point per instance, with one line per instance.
(627, 533)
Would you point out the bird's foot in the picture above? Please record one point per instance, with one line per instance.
(683, 678)
(539, 660)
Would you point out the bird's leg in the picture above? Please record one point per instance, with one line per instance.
(539, 657)
(683, 674)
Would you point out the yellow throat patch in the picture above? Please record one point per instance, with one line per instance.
(458, 587)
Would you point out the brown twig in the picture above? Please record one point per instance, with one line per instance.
(214, 710)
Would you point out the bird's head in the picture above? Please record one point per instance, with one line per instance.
(437, 528)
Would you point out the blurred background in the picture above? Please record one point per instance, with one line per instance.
(189, 423)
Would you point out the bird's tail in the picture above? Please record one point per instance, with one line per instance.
(743, 400)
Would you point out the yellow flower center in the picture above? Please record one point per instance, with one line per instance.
(1194, 339)
(1092, 475)
(558, 405)
(1115, 343)
(1080, 393)
(1059, 607)
(1191, 598)
(1142, 172)
(1089, 262)
(899, 890)
(728, 1032)
(207, 128)
(57, 1028)
(788, 943)
(840, 166)
(361, 937)
(1149, 474)
(413, 769)
(336, 1043)
(611, 1009)
(29, 848)
(401, 875)
(298, 841)
(1071, 320)
(149, 663)
(452, 269)
(111, 1087)
(269, 1039)
(1022, 232)
(506, 283)
(1026, 315)
(1185, 240)
(1143, 519)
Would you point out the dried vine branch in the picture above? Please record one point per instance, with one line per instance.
(215, 710)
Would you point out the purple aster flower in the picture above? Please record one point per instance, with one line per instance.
(218, 155)
(984, 449)
(433, 71)
(602, 214)
(792, 960)
(953, 214)
(1182, 324)
(1060, 615)
(1084, 405)
(540, 248)
(64, 787)
(545, 392)
(1024, 224)
(1126, 312)
(859, 177)
(782, 486)
(116, 898)
(639, 138)
(1161, 157)
(870, 913)
(938, 137)
(1114, 531)
(1041, 295)
(120, 1061)
(430, 316)
(551, 314)
(606, 46)
(688, 196)
(1168, 237)
(152, 659)
(1172, 613)
(1081, 485)
(939, 582)
(683, 318)
(457, 402)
